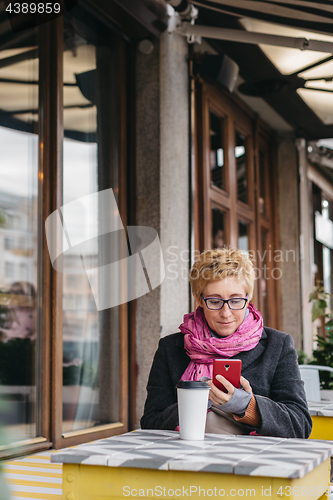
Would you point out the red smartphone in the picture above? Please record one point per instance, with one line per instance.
(230, 369)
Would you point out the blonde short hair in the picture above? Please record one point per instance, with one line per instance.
(214, 265)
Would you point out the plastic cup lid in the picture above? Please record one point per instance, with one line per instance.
(192, 384)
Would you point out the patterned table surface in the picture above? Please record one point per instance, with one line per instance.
(245, 455)
(321, 408)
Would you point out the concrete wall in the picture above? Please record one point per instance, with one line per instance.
(162, 170)
(174, 180)
(288, 214)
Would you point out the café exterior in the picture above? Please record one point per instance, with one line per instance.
(107, 98)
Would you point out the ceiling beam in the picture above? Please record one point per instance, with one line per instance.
(241, 36)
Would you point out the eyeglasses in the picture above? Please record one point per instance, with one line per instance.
(235, 304)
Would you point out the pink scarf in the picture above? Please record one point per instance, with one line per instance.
(203, 348)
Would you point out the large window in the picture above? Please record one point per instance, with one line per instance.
(20, 341)
(63, 359)
(235, 189)
(91, 359)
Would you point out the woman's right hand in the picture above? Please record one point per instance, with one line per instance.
(219, 397)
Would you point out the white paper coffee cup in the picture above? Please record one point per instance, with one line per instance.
(192, 409)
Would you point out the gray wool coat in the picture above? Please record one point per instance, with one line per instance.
(271, 368)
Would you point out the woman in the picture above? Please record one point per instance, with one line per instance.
(271, 400)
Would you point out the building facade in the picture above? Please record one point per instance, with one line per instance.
(105, 98)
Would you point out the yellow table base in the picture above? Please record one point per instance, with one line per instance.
(93, 482)
(322, 427)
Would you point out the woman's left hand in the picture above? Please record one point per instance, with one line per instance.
(219, 397)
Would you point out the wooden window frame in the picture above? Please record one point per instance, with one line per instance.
(211, 99)
(237, 117)
(265, 141)
(51, 133)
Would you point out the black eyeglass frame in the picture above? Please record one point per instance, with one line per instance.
(226, 301)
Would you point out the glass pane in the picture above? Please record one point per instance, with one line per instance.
(241, 167)
(218, 233)
(18, 239)
(243, 235)
(326, 207)
(262, 174)
(263, 277)
(217, 168)
(90, 336)
(327, 269)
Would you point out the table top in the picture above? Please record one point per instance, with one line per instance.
(321, 408)
(164, 450)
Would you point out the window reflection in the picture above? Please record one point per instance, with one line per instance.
(217, 167)
(241, 167)
(243, 235)
(19, 344)
(218, 230)
(90, 337)
(262, 175)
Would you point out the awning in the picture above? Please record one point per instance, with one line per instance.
(297, 84)
(316, 16)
